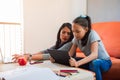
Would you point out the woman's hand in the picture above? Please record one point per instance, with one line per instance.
(52, 60)
(17, 56)
(73, 62)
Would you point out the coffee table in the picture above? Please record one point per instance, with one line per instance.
(81, 75)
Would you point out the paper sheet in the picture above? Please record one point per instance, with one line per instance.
(29, 73)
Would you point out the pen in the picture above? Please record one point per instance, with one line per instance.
(60, 75)
(36, 62)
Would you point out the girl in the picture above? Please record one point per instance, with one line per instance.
(89, 42)
(64, 37)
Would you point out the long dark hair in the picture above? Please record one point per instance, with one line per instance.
(58, 42)
(84, 21)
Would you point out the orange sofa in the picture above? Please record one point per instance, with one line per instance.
(110, 35)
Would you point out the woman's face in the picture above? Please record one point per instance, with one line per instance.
(78, 31)
(65, 34)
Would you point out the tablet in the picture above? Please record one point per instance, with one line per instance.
(60, 56)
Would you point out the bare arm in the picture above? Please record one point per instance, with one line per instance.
(72, 50)
(92, 56)
(35, 56)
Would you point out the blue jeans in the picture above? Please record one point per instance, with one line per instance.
(98, 66)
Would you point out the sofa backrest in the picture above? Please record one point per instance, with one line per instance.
(110, 35)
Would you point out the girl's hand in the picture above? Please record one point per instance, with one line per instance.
(52, 60)
(73, 62)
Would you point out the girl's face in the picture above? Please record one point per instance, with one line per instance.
(65, 34)
(79, 31)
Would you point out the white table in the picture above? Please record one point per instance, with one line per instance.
(82, 75)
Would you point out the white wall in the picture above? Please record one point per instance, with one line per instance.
(42, 19)
(104, 12)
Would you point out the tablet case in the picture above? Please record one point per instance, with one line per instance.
(60, 56)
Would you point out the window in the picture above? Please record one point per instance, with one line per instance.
(11, 28)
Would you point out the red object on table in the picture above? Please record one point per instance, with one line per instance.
(69, 71)
(22, 61)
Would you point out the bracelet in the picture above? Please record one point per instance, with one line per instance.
(30, 58)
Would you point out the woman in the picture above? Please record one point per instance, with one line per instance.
(64, 37)
(89, 42)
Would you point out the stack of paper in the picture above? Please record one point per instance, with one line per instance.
(29, 73)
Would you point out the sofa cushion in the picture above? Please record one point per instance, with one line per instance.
(79, 53)
(113, 73)
(109, 33)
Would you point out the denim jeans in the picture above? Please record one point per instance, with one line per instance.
(98, 66)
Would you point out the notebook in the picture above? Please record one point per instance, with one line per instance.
(60, 56)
